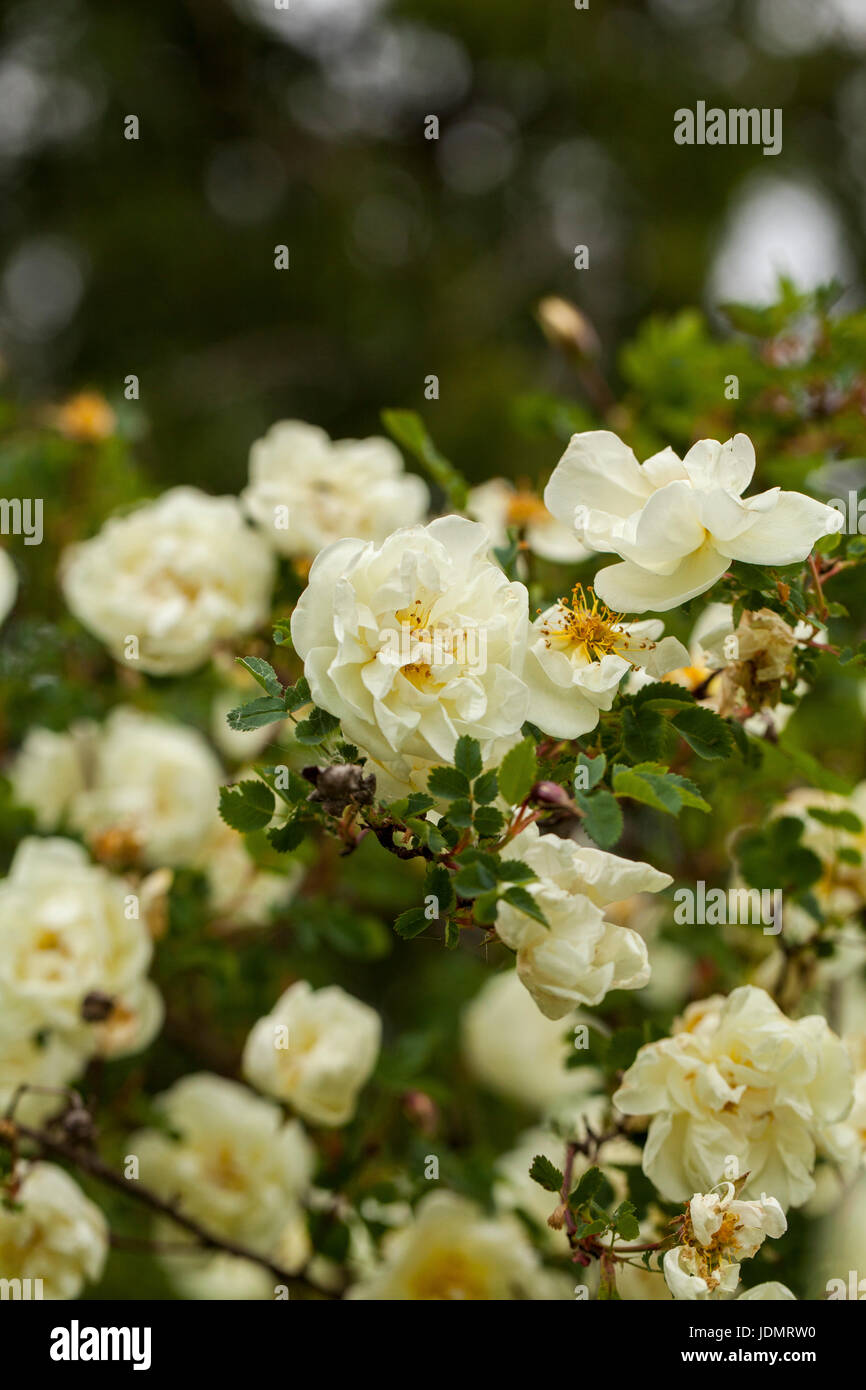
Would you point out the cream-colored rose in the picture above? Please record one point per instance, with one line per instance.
(237, 1166)
(578, 956)
(47, 774)
(164, 584)
(719, 1232)
(416, 641)
(68, 929)
(738, 1083)
(452, 1251)
(677, 523)
(307, 491)
(52, 1233)
(513, 1049)
(30, 1057)
(316, 1050)
(156, 782)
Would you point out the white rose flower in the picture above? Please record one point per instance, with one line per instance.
(452, 1251)
(739, 1080)
(316, 1049)
(514, 1050)
(65, 933)
(47, 773)
(677, 524)
(8, 585)
(29, 1057)
(238, 1167)
(415, 642)
(498, 505)
(719, 1232)
(155, 781)
(579, 957)
(579, 654)
(307, 491)
(53, 1233)
(179, 575)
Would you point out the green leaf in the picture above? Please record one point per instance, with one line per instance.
(593, 770)
(407, 427)
(515, 871)
(654, 786)
(264, 674)
(447, 783)
(840, 820)
(267, 709)
(246, 806)
(488, 822)
(589, 1183)
(704, 732)
(486, 788)
(316, 728)
(411, 923)
(602, 819)
(438, 884)
(460, 813)
(473, 879)
(625, 1221)
(285, 838)
(467, 756)
(546, 1174)
(523, 901)
(518, 772)
(296, 696)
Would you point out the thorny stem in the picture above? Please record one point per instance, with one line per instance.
(83, 1158)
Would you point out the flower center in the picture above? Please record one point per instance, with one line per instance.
(448, 1275)
(524, 508)
(574, 623)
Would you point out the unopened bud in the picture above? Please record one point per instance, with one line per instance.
(567, 328)
(550, 793)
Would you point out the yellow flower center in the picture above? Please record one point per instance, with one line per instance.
(449, 1275)
(524, 508)
(576, 624)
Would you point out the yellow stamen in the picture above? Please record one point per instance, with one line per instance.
(574, 623)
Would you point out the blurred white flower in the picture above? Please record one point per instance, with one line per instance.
(452, 1251)
(52, 1232)
(677, 524)
(48, 772)
(579, 654)
(155, 781)
(69, 929)
(498, 505)
(307, 491)
(739, 1084)
(236, 1165)
(164, 584)
(316, 1049)
(513, 1049)
(415, 642)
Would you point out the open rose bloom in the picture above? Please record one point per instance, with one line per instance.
(677, 523)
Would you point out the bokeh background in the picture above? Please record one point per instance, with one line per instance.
(305, 127)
